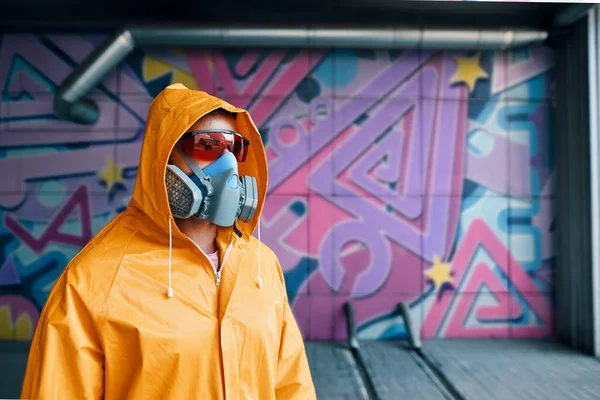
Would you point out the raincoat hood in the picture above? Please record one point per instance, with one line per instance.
(111, 330)
(171, 114)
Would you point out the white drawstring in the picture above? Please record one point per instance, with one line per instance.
(170, 290)
(260, 282)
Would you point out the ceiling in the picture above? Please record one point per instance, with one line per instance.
(101, 15)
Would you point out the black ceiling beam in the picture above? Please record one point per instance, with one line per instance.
(102, 15)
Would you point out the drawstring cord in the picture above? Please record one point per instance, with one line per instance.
(260, 282)
(170, 290)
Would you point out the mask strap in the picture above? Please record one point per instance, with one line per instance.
(237, 230)
(190, 162)
(202, 177)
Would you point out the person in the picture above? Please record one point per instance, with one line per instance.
(175, 298)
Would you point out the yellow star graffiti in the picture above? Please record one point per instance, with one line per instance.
(468, 71)
(154, 68)
(439, 273)
(112, 174)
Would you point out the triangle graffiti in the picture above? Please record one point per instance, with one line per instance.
(8, 272)
(455, 306)
(78, 201)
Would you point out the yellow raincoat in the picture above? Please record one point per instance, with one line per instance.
(109, 330)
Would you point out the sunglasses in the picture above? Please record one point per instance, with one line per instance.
(210, 144)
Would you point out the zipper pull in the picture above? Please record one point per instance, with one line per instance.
(218, 278)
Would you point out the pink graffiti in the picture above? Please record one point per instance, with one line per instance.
(328, 123)
(422, 222)
(250, 58)
(31, 121)
(508, 73)
(381, 166)
(52, 165)
(25, 47)
(283, 230)
(272, 80)
(286, 133)
(386, 205)
(321, 214)
(324, 216)
(79, 199)
(321, 317)
(479, 235)
(506, 305)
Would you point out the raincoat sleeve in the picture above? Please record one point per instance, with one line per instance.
(294, 380)
(65, 358)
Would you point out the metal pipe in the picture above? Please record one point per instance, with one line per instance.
(412, 331)
(354, 346)
(69, 102)
(351, 326)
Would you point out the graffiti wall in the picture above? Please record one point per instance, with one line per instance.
(416, 176)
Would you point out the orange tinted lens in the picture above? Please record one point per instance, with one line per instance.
(210, 145)
(204, 146)
(239, 149)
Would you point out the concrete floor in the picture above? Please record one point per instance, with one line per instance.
(475, 369)
(13, 360)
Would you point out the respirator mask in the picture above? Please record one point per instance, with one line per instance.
(215, 193)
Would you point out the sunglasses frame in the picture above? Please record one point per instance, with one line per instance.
(201, 131)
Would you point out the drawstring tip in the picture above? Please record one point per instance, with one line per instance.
(170, 292)
(260, 283)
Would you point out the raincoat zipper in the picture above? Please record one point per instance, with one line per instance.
(217, 272)
(223, 264)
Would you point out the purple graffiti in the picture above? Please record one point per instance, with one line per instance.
(8, 272)
(32, 119)
(290, 159)
(392, 149)
(509, 73)
(52, 233)
(478, 166)
(367, 159)
(273, 79)
(278, 224)
(442, 133)
(50, 165)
